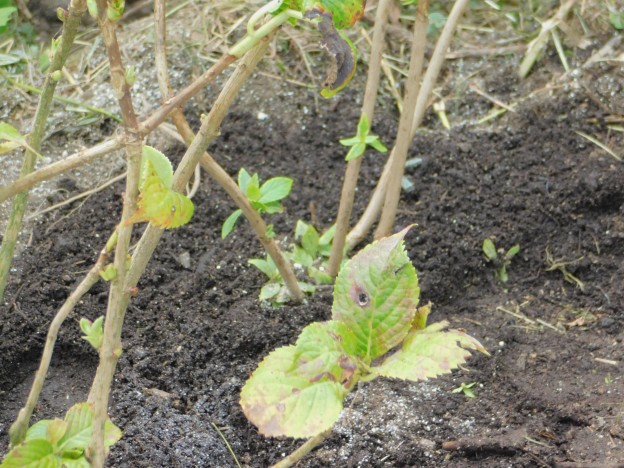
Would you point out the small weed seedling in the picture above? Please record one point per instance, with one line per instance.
(263, 198)
(466, 389)
(501, 259)
(376, 331)
(60, 442)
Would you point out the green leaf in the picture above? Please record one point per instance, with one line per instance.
(5, 15)
(282, 403)
(11, 134)
(429, 353)
(356, 151)
(35, 453)
(270, 208)
(229, 223)
(8, 59)
(502, 275)
(324, 351)
(350, 141)
(109, 273)
(78, 435)
(512, 252)
(616, 18)
(275, 189)
(269, 291)
(489, 249)
(93, 332)
(378, 145)
(253, 191)
(310, 241)
(301, 257)
(160, 164)
(328, 236)
(319, 276)
(300, 229)
(267, 266)
(243, 180)
(160, 205)
(363, 126)
(376, 294)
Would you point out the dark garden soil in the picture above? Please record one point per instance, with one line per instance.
(552, 392)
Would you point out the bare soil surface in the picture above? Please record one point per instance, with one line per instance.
(552, 392)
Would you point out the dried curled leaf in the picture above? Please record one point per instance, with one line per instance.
(376, 294)
(428, 353)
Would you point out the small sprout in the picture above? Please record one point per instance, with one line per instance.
(608, 379)
(109, 273)
(359, 142)
(56, 75)
(501, 259)
(93, 331)
(115, 9)
(466, 389)
(131, 75)
(61, 14)
(270, 232)
(265, 198)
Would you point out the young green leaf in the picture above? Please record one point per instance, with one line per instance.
(429, 353)
(32, 453)
(243, 180)
(310, 241)
(267, 267)
(109, 273)
(269, 291)
(229, 223)
(281, 402)
(300, 257)
(275, 189)
(160, 164)
(11, 134)
(489, 249)
(5, 15)
(359, 142)
(325, 351)
(376, 294)
(512, 252)
(93, 331)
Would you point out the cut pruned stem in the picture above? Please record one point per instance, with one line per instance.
(302, 451)
(353, 167)
(214, 169)
(14, 226)
(404, 134)
(371, 213)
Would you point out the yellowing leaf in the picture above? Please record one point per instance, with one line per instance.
(376, 294)
(429, 353)
(160, 205)
(283, 403)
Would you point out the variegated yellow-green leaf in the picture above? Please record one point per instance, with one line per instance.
(429, 353)
(281, 402)
(160, 205)
(376, 295)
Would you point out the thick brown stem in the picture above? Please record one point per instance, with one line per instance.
(368, 218)
(404, 134)
(119, 295)
(353, 166)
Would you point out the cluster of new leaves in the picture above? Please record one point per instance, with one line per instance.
(93, 331)
(158, 203)
(11, 138)
(501, 261)
(265, 198)
(298, 391)
(60, 442)
(311, 252)
(361, 140)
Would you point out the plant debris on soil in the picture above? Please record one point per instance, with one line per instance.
(552, 392)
